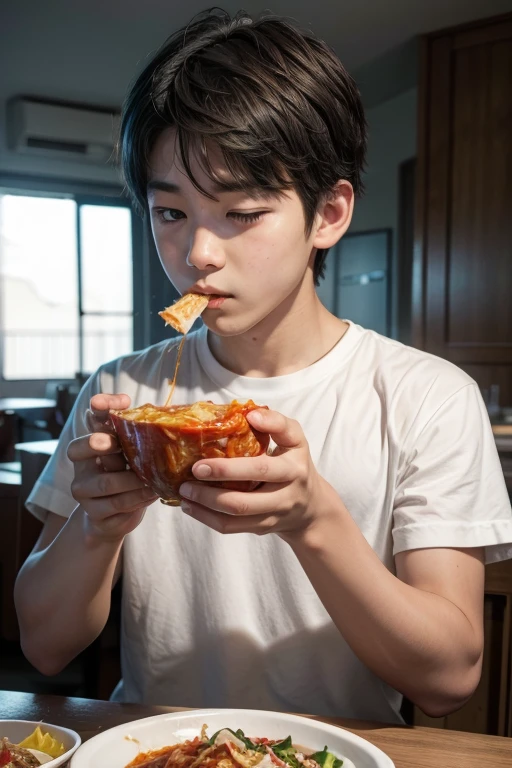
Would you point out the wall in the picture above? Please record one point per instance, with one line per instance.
(58, 51)
(392, 139)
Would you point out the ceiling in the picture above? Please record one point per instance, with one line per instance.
(88, 51)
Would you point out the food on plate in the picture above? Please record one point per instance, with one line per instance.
(37, 749)
(183, 314)
(162, 443)
(43, 742)
(232, 749)
(14, 756)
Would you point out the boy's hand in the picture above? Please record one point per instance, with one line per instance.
(289, 498)
(113, 497)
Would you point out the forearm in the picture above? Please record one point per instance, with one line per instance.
(63, 593)
(418, 642)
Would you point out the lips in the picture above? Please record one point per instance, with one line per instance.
(208, 291)
(216, 301)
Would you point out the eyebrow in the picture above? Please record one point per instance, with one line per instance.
(168, 186)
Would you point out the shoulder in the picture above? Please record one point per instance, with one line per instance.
(396, 362)
(410, 379)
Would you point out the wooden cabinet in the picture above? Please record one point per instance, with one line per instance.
(462, 271)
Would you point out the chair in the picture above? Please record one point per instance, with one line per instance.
(10, 483)
(64, 400)
(9, 435)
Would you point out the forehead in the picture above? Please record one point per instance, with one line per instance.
(166, 163)
(167, 172)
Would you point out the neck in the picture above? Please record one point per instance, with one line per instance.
(292, 337)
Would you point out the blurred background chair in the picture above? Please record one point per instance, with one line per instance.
(64, 395)
(10, 484)
(9, 435)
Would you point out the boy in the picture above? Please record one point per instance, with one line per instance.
(244, 142)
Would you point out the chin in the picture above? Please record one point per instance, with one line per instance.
(228, 326)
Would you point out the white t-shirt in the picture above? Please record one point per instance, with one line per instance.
(232, 621)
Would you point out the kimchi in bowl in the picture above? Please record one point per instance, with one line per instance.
(162, 443)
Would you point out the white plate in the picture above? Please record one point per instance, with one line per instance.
(115, 749)
(17, 730)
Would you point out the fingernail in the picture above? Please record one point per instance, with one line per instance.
(185, 507)
(203, 471)
(186, 489)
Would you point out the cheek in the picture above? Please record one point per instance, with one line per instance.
(159, 242)
(279, 259)
(260, 274)
(173, 267)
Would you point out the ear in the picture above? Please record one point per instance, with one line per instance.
(333, 216)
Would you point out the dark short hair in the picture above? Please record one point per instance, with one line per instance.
(275, 99)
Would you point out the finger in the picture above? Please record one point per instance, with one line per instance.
(285, 432)
(101, 404)
(114, 462)
(94, 424)
(88, 467)
(258, 469)
(225, 524)
(122, 503)
(100, 464)
(269, 499)
(90, 446)
(105, 484)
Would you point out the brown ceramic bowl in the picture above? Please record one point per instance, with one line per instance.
(161, 444)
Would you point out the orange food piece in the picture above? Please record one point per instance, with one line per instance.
(183, 314)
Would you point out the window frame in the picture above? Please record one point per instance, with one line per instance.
(87, 193)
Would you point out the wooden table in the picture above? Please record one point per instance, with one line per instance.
(407, 747)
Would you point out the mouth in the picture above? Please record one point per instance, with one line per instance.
(216, 297)
(216, 301)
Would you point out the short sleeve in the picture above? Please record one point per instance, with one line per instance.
(52, 491)
(451, 491)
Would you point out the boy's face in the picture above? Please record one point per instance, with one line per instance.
(251, 249)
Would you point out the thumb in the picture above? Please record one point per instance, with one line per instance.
(98, 417)
(102, 403)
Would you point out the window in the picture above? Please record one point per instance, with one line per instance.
(66, 282)
(106, 284)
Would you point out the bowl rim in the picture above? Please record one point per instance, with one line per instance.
(371, 749)
(44, 724)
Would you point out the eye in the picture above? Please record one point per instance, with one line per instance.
(247, 218)
(168, 215)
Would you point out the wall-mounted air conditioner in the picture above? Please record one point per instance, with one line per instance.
(59, 130)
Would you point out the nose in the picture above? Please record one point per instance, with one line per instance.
(206, 251)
